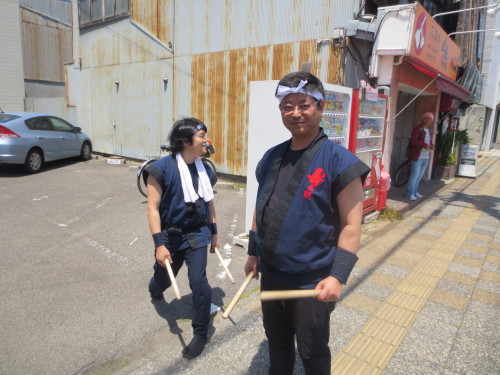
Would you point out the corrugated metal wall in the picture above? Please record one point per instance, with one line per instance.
(11, 62)
(220, 86)
(125, 106)
(126, 119)
(220, 46)
(156, 16)
(47, 45)
(118, 43)
(55, 106)
(209, 26)
(59, 9)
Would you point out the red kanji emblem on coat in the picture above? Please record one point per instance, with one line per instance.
(315, 179)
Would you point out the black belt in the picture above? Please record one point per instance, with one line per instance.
(177, 230)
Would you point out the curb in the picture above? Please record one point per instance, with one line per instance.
(223, 185)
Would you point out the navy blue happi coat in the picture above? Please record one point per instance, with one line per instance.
(298, 243)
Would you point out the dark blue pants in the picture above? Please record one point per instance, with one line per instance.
(306, 318)
(196, 262)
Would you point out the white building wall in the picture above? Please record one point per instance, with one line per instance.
(491, 73)
(491, 63)
(473, 121)
(11, 62)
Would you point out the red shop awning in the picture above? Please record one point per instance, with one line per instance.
(443, 84)
(446, 85)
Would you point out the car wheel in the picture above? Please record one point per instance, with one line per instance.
(34, 161)
(86, 151)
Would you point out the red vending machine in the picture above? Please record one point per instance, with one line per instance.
(367, 141)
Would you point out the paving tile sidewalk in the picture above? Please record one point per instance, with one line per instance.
(396, 196)
(424, 297)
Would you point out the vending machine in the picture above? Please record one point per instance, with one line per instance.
(336, 113)
(368, 128)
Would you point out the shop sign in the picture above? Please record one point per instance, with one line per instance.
(432, 46)
(367, 92)
(468, 158)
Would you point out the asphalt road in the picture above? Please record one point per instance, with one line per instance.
(76, 256)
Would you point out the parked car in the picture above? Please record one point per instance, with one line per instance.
(32, 139)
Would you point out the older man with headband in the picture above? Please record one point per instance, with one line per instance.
(306, 227)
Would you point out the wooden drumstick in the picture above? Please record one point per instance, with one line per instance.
(172, 279)
(238, 295)
(270, 295)
(224, 265)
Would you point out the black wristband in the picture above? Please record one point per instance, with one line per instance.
(213, 228)
(343, 264)
(158, 239)
(252, 245)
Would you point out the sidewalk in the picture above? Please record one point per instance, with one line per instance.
(396, 196)
(424, 297)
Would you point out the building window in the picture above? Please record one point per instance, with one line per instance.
(96, 11)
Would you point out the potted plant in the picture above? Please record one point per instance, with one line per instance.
(447, 154)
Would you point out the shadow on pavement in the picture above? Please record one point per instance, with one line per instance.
(453, 198)
(181, 310)
(16, 170)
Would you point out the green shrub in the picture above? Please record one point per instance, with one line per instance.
(452, 159)
(447, 143)
(390, 214)
(462, 136)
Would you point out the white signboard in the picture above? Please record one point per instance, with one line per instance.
(265, 130)
(468, 159)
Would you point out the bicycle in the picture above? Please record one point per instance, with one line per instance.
(140, 180)
(403, 173)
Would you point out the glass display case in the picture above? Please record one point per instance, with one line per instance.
(335, 121)
(370, 129)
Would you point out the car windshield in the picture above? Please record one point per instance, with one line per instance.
(4, 117)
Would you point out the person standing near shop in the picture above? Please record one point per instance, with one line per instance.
(306, 227)
(181, 216)
(420, 149)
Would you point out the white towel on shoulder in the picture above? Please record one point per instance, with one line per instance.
(204, 186)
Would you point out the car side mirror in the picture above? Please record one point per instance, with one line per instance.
(77, 129)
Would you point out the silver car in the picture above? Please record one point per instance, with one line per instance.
(31, 139)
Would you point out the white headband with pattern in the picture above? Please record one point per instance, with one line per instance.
(285, 90)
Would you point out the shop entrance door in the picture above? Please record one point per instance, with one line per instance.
(402, 130)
